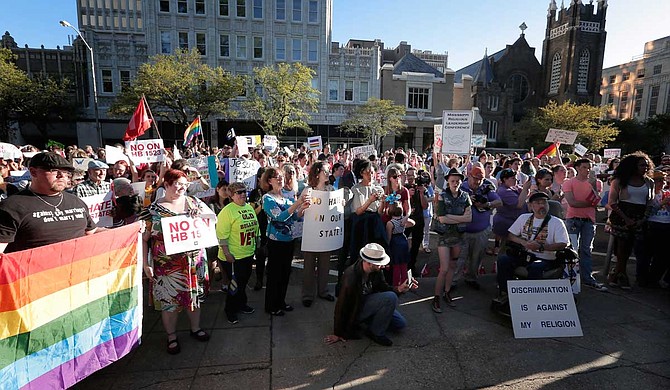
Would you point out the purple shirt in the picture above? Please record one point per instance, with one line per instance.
(480, 219)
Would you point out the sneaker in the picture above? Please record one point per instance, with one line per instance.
(248, 310)
(447, 298)
(596, 286)
(232, 319)
(436, 304)
(623, 282)
(427, 250)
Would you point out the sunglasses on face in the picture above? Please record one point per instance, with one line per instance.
(240, 192)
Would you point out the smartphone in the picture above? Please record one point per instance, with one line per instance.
(409, 278)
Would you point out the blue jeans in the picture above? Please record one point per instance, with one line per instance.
(582, 232)
(379, 311)
(507, 265)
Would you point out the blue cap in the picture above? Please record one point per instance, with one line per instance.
(97, 164)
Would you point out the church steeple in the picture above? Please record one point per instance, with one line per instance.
(484, 73)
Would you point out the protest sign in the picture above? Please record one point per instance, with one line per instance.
(114, 154)
(288, 152)
(100, 207)
(16, 176)
(242, 145)
(323, 229)
(270, 142)
(456, 131)
(239, 170)
(9, 151)
(437, 138)
(205, 167)
(580, 149)
(315, 143)
(543, 308)
(612, 153)
(145, 151)
(563, 137)
(81, 163)
(182, 233)
(366, 151)
(479, 140)
(139, 188)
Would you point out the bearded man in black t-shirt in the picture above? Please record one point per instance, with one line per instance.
(43, 213)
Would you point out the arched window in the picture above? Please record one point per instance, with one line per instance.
(555, 82)
(519, 84)
(491, 130)
(583, 75)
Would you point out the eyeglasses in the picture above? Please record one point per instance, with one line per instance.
(393, 177)
(59, 172)
(240, 192)
(182, 185)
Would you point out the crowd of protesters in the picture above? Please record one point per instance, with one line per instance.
(393, 201)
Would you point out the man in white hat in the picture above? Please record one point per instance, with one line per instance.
(365, 297)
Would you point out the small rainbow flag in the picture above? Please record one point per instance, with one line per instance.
(550, 151)
(192, 131)
(69, 309)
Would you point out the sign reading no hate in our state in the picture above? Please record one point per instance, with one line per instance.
(323, 229)
(543, 308)
(456, 131)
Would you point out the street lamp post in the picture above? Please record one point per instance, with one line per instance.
(98, 129)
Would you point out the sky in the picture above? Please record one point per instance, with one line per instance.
(463, 28)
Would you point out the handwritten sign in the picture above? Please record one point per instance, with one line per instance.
(612, 153)
(364, 151)
(437, 138)
(100, 207)
(564, 137)
(456, 131)
(183, 233)
(323, 229)
(145, 151)
(241, 170)
(270, 142)
(315, 142)
(9, 151)
(543, 308)
(114, 154)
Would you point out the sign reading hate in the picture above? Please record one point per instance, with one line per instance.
(145, 151)
(182, 233)
(100, 207)
(323, 229)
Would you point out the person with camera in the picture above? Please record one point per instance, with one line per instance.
(416, 184)
(533, 240)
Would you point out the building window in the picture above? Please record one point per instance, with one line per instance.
(297, 50)
(417, 98)
(258, 9)
(280, 49)
(333, 90)
(258, 48)
(610, 99)
(183, 40)
(280, 10)
(667, 102)
(555, 81)
(653, 100)
(224, 45)
(640, 73)
(166, 42)
(363, 91)
(201, 43)
(224, 8)
(124, 79)
(638, 101)
(625, 76)
(297, 10)
(241, 8)
(164, 6)
(315, 86)
(623, 103)
(613, 79)
(312, 50)
(182, 6)
(199, 7)
(657, 69)
(491, 131)
(313, 16)
(241, 51)
(107, 84)
(583, 74)
(519, 84)
(349, 90)
(493, 102)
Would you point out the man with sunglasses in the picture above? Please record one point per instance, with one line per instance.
(43, 213)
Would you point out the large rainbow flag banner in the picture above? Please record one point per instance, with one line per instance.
(192, 131)
(69, 309)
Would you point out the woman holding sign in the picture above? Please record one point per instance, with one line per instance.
(317, 179)
(180, 280)
(282, 213)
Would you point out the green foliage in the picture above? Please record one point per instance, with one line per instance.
(286, 100)
(179, 87)
(375, 119)
(585, 119)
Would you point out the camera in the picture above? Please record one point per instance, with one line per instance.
(479, 198)
(422, 179)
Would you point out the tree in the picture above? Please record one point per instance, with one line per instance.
(179, 87)
(286, 97)
(375, 119)
(659, 126)
(584, 119)
(13, 83)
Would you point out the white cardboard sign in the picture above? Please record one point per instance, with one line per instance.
(9, 151)
(580, 149)
(366, 151)
(81, 163)
(564, 137)
(241, 170)
(146, 150)
(270, 142)
(479, 140)
(456, 131)
(612, 153)
(323, 228)
(437, 138)
(182, 233)
(100, 207)
(315, 143)
(543, 308)
(114, 154)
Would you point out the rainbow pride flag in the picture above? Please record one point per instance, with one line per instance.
(69, 309)
(192, 131)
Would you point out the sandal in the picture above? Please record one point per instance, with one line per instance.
(173, 347)
(200, 335)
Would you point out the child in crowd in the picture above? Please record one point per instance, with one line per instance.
(399, 247)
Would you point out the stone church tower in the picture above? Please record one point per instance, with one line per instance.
(572, 52)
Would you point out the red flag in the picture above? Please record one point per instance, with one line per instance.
(139, 123)
(551, 151)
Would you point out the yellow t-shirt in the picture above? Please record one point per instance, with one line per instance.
(238, 226)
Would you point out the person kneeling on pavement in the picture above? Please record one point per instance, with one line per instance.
(533, 240)
(365, 297)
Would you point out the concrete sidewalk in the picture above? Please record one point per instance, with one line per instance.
(626, 344)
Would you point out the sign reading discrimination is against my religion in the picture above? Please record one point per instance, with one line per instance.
(456, 131)
(543, 308)
(323, 229)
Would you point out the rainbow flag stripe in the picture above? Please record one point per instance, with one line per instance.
(69, 309)
(192, 131)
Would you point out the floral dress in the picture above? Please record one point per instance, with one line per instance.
(181, 279)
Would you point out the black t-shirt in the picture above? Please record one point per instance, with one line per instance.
(27, 222)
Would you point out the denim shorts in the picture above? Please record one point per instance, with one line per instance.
(450, 240)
